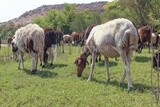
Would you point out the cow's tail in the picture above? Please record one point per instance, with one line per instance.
(130, 39)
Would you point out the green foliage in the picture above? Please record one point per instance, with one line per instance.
(41, 21)
(114, 10)
(84, 19)
(68, 19)
(59, 86)
(7, 30)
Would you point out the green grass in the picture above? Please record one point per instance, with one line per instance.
(58, 85)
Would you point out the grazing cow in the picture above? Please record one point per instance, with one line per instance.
(59, 40)
(112, 39)
(29, 39)
(66, 39)
(9, 40)
(86, 34)
(145, 35)
(156, 60)
(155, 40)
(0, 42)
(76, 37)
(51, 41)
(14, 54)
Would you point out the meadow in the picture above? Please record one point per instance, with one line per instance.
(58, 86)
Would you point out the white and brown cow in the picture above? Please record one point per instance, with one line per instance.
(112, 39)
(29, 39)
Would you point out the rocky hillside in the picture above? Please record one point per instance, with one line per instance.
(29, 15)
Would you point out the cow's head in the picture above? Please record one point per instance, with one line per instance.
(14, 46)
(81, 64)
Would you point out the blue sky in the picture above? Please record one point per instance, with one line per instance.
(10, 9)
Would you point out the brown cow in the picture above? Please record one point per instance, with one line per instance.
(50, 45)
(9, 40)
(145, 35)
(0, 42)
(86, 33)
(76, 37)
(66, 38)
(156, 60)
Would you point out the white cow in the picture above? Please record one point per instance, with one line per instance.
(112, 39)
(29, 39)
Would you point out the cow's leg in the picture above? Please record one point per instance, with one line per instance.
(99, 56)
(123, 77)
(42, 60)
(50, 55)
(20, 61)
(94, 55)
(107, 67)
(53, 53)
(34, 57)
(62, 45)
(126, 62)
(150, 46)
(43, 57)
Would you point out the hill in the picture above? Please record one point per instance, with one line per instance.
(29, 15)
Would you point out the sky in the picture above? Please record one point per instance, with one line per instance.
(10, 9)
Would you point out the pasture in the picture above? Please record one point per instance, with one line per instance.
(58, 85)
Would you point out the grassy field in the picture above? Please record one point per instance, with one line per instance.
(58, 86)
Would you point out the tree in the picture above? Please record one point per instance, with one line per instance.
(114, 10)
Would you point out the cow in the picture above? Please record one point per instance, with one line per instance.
(66, 39)
(59, 40)
(155, 40)
(29, 39)
(76, 37)
(156, 60)
(145, 35)
(112, 39)
(0, 42)
(51, 41)
(9, 40)
(86, 34)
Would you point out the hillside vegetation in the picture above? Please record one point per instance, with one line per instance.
(76, 17)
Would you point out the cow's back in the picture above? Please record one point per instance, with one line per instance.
(108, 37)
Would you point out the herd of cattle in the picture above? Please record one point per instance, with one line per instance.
(115, 38)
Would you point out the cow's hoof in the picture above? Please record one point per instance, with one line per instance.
(130, 89)
(120, 84)
(33, 71)
(108, 79)
(51, 65)
(43, 66)
(40, 64)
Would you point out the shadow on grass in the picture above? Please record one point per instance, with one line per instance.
(55, 65)
(43, 73)
(111, 63)
(142, 59)
(138, 87)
